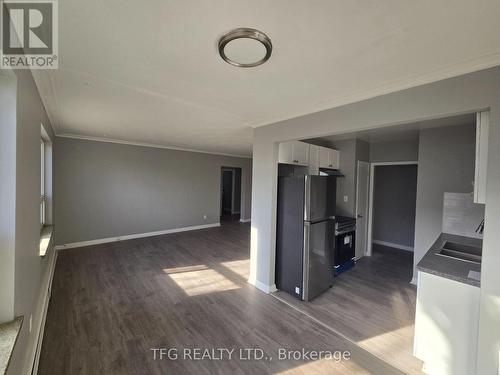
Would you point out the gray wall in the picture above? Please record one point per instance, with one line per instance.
(403, 150)
(362, 150)
(351, 151)
(394, 204)
(30, 270)
(446, 164)
(346, 185)
(107, 190)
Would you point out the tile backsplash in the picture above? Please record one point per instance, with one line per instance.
(461, 216)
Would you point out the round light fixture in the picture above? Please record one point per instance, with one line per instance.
(245, 47)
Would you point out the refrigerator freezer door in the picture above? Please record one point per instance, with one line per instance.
(318, 258)
(320, 197)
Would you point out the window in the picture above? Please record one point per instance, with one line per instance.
(45, 178)
(42, 182)
(45, 192)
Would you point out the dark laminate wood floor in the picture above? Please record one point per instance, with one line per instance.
(374, 305)
(112, 303)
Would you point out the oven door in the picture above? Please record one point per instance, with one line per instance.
(344, 247)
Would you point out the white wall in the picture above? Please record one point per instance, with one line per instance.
(29, 269)
(8, 88)
(465, 94)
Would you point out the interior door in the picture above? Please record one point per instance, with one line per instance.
(362, 191)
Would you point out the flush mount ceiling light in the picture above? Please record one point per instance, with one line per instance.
(245, 47)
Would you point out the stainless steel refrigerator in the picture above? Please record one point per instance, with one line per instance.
(305, 235)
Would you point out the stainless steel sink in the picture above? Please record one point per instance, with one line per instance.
(461, 252)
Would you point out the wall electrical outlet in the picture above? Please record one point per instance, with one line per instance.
(204, 217)
(297, 290)
(346, 198)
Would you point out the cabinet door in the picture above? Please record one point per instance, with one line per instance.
(333, 159)
(442, 306)
(285, 154)
(314, 159)
(301, 153)
(324, 157)
(482, 134)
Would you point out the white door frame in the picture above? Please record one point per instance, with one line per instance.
(370, 198)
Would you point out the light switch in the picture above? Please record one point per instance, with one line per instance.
(346, 198)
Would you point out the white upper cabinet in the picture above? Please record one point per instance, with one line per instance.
(294, 152)
(333, 159)
(314, 159)
(328, 158)
(482, 133)
(285, 154)
(322, 157)
(301, 153)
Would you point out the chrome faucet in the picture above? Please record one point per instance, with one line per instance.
(480, 228)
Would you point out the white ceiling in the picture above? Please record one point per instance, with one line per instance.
(402, 132)
(149, 72)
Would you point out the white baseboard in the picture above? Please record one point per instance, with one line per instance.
(133, 236)
(395, 245)
(31, 366)
(265, 288)
(245, 220)
(414, 280)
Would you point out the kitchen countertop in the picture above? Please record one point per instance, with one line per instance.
(450, 268)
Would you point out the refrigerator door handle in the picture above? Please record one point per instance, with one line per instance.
(307, 198)
(305, 263)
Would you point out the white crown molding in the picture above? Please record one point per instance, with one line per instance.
(133, 236)
(142, 144)
(46, 92)
(455, 70)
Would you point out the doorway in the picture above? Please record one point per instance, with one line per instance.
(393, 195)
(230, 194)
